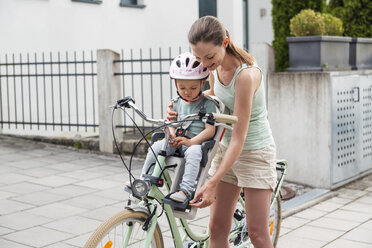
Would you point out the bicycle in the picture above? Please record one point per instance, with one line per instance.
(140, 216)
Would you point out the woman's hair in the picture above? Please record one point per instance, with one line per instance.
(210, 29)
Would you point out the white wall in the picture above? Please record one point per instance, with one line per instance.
(63, 25)
(260, 27)
(230, 13)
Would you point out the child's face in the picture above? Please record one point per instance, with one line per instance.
(188, 89)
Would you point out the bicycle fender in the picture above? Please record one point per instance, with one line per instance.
(137, 208)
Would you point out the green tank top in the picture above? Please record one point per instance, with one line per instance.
(259, 133)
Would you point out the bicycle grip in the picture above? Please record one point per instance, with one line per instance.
(229, 119)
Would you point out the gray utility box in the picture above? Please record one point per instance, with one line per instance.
(318, 53)
(322, 125)
(361, 53)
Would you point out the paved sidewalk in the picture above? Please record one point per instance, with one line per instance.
(52, 196)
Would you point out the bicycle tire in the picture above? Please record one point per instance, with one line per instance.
(239, 232)
(122, 220)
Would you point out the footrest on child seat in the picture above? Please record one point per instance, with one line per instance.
(182, 206)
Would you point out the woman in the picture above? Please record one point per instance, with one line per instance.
(246, 157)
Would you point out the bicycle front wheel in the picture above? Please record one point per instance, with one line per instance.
(124, 229)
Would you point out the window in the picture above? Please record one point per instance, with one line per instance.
(207, 7)
(89, 1)
(132, 3)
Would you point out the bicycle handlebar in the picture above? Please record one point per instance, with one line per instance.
(223, 119)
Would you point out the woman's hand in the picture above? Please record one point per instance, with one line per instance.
(171, 115)
(205, 196)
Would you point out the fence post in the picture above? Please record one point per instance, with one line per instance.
(109, 91)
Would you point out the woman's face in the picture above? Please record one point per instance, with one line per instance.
(209, 54)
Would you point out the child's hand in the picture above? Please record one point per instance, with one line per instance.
(172, 136)
(178, 141)
(171, 115)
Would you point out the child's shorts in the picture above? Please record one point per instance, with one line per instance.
(253, 169)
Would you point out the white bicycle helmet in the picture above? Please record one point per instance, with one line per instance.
(185, 66)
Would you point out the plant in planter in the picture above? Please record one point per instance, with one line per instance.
(318, 44)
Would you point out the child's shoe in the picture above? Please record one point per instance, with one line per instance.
(179, 196)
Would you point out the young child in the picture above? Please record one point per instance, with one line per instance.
(189, 76)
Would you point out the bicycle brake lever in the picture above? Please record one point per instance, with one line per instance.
(125, 102)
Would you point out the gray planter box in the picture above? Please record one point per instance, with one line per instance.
(361, 53)
(318, 53)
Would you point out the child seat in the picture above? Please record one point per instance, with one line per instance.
(209, 149)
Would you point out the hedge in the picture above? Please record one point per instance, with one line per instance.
(282, 12)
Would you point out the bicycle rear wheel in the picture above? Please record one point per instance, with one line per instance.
(121, 228)
(239, 232)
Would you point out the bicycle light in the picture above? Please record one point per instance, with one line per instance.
(140, 187)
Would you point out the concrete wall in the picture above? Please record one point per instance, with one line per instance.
(299, 114)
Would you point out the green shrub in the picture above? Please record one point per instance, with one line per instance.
(356, 16)
(333, 25)
(306, 23)
(282, 12)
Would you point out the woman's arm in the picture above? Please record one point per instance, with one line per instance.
(246, 84)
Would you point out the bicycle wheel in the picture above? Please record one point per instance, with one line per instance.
(239, 232)
(114, 232)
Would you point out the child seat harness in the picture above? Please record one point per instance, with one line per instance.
(182, 130)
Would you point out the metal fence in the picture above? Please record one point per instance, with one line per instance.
(57, 92)
(48, 92)
(145, 77)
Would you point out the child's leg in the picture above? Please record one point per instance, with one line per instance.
(193, 156)
(151, 158)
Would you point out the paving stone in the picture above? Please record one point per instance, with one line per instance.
(71, 190)
(294, 222)
(54, 181)
(359, 234)
(99, 184)
(116, 193)
(360, 207)
(327, 206)
(56, 210)
(4, 230)
(89, 201)
(367, 225)
(5, 195)
(22, 220)
(349, 215)
(350, 193)
(62, 245)
(29, 164)
(335, 224)
(284, 230)
(290, 241)
(39, 172)
(23, 188)
(39, 198)
(9, 244)
(14, 157)
(78, 241)
(81, 174)
(344, 243)
(316, 233)
(9, 206)
(365, 200)
(6, 168)
(34, 238)
(75, 225)
(102, 213)
(10, 178)
(67, 166)
(339, 200)
(310, 214)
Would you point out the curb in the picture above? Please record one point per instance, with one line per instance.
(300, 206)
